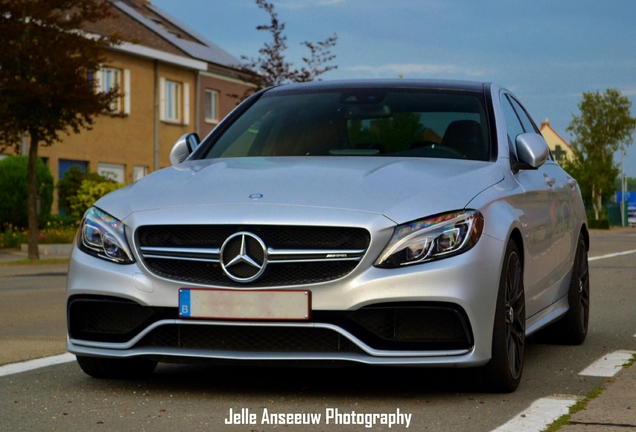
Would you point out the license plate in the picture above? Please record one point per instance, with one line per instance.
(236, 305)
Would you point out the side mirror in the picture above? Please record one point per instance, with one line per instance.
(184, 148)
(532, 151)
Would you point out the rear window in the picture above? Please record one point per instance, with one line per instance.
(360, 122)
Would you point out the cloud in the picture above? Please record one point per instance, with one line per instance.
(301, 4)
(629, 91)
(414, 70)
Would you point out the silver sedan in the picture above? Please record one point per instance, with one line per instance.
(410, 223)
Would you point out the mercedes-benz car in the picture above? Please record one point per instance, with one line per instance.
(404, 222)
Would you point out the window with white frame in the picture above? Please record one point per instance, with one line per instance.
(114, 172)
(175, 101)
(211, 106)
(139, 172)
(109, 78)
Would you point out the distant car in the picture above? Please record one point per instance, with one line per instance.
(407, 223)
(631, 216)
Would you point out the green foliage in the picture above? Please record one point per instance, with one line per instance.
(13, 193)
(89, 192)
(631, 184)
(599, 224)
(395, 134)
(44, 87)
(604, 126)
(70, 185)
(12, 237)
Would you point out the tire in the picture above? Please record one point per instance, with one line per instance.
(110, 368)
(502, 373)
(571, 329)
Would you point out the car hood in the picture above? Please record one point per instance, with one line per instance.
(401, 189)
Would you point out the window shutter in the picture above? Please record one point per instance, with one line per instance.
(127, 91)
(162, 98)
(186, 103)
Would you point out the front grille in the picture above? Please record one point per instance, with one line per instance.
(248, 339)
(279, 275)
(278, 237)
(296, 254)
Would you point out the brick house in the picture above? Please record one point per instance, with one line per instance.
(559, 147)
(174, 81)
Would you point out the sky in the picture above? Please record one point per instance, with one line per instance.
(546, 52)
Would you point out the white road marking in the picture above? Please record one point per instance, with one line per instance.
(538, 415)
(612, 255)
(544, 411)
(608, 365)
(28, 365)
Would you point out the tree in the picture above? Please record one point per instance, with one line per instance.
(629, 181)
(270, 67)
(46, 62)
(603, 127)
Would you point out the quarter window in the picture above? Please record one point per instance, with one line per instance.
(513, 124)
(523, 116)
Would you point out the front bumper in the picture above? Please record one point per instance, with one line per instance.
(465, 285)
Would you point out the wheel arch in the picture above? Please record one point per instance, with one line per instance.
(586, 237)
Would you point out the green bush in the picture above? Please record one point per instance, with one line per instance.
(89, 192)
(13, 192)
(599, 224)
(11, 237)
(70, 183)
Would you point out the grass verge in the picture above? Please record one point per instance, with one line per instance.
(564, 420)
(43, 261)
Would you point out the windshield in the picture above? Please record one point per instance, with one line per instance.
(360, 122)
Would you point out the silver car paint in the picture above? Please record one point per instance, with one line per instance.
(375, 193)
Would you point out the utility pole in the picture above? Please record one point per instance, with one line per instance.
(623, 189)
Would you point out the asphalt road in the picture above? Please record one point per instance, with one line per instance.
(198, 398)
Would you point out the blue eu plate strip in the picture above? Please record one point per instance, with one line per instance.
(184, 303)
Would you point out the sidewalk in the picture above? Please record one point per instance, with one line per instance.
(613, 411)
(11, 255)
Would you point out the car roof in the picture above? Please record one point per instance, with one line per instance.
(382, 83)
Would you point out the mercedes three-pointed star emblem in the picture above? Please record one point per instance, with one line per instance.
(243, 257)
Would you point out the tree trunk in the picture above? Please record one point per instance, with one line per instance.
(32, 197)
(596, 202)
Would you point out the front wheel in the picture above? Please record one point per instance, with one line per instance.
(502, 373)
(114, 368)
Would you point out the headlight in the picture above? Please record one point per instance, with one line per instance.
(432, 238)
(103, 236)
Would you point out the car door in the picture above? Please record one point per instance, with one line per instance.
(547, 238)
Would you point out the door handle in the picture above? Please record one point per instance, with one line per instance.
(572, 183)
(550, 181)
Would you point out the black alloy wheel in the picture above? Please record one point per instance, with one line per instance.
(502, 373)
(571, 329)
(515, 310)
